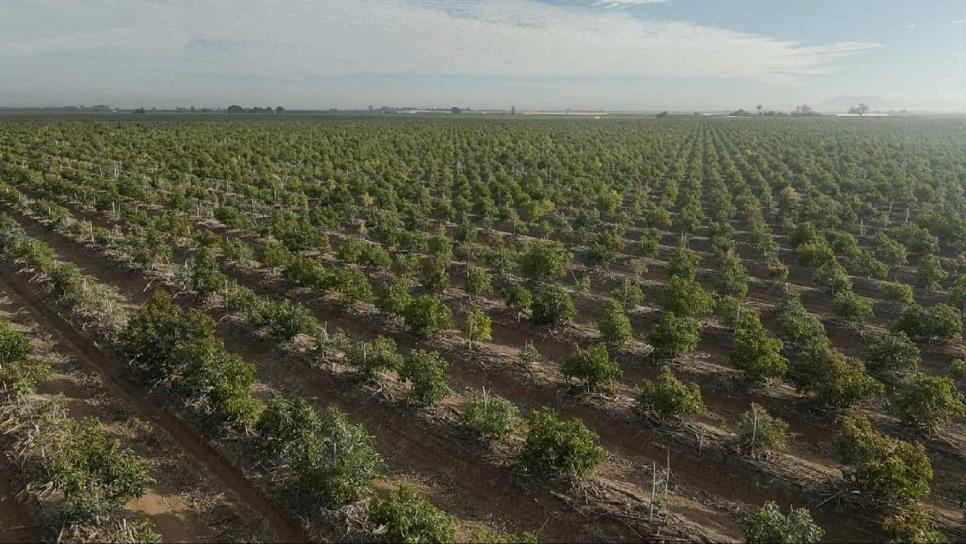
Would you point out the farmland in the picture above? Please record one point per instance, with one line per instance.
(378, 328)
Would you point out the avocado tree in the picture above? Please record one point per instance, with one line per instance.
(553, 306)
(759, 431)
(768, 525)
(426, 315)
(755, 353)
(667, 397)
(883, 468)
(892, 357)
(593, 367)
(477, 327)
(675, 336)
(929, 402)
(615, 327)
(560, 448)
(491, 416)
(686, 298)
(427, 372)
(405, 515)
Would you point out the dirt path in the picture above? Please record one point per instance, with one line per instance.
(149, 408)
(17, 520)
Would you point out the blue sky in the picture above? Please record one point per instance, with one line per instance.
(535, 54)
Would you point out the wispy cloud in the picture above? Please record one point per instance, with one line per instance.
(298, 38)
(959, 21)
(628, 3)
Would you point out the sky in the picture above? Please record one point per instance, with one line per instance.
(638, 55)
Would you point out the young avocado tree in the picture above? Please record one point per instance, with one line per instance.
(338, 463)
(851, 308)
(517, 298)
(406, 515)
(913, 525)
(929, 403)
(685, 297)
(369, 358)
(491, 416)
(768, 525)
(426, 315)
(937, 323)
(758, 431)
(892, 357)
(667, 397)
(883, 468)
(477, 327)
(675, 336)
(553, 306)
(560, 448)
(755, 353)
(427, 371)
(593, 367)
(544, 261)
(615, 327)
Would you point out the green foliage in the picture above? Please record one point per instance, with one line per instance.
(758, 430)
(285, 426)
(939, 322)
(427, 372)
(669, 398)
(484, 536)
(287, 319)
(755, 353)
(375, 356)
(957, 294)
(848, 306)
(683, 263)
(426, 315)
(564, 448)
(913, 525)
(930, 273)
(841, 382)
(553, 306)
(529, 354)
(891, 357)
(491, 416)
(768, 525)
(338, 462)
(957, 372)
(351, 284)
(628, 293)
(593, 367)
(406, 516)
(137, 532)
(685, 297)
(675, 336)
(96, 475)
(889, 251)
(394, 296)
(517, 298)
(477, 326)
(615, 327)
(897, 292)
(179, 349)
(13, 345)
(731, 277)
(544, 261)
(884, 468)
(649, 243)
(478, 281)
(930, 402)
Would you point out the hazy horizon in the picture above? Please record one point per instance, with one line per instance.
(615, 55)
